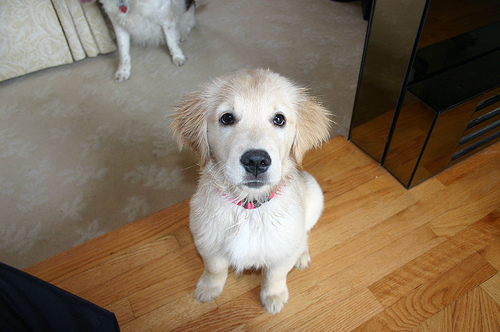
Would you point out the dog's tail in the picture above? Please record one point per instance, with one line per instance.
(188, 4)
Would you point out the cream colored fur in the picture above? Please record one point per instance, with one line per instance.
(149, 23)
(272, 237)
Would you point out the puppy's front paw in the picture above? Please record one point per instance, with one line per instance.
(179, 60)
(273, 303)
(206, 293)
(210, 286)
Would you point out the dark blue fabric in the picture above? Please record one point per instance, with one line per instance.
(31, 304)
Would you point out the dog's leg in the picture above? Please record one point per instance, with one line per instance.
(187, 22)
(304, 259)
(314, 201)
(124, 68)
(172, 38)
(212, 280)
(274, 291)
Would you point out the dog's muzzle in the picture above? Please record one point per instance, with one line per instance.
(255, 162)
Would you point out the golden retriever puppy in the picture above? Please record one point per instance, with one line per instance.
(253, 208)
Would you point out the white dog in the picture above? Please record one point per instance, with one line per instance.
(252, 208)
(149, 23)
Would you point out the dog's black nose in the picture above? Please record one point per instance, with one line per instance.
(256, 161)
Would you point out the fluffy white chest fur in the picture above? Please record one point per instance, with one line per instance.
(254, 238)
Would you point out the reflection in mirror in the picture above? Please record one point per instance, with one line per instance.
(410, 133)
(428, 88)
(392, 33)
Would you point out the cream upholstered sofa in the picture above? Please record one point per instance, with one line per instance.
(37, 34)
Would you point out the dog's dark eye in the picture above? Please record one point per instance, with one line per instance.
(279, 120)
(227, 119)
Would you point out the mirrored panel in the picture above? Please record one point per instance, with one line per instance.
(391, 38)
(427, 66)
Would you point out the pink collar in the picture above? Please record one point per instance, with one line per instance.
(253, 204)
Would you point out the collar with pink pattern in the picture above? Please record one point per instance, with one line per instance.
(250, 205)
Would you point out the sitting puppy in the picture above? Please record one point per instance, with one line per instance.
(149, 23)
(252, 208)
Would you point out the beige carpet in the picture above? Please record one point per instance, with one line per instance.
(81, 155)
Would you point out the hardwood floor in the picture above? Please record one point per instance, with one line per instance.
(383, 258)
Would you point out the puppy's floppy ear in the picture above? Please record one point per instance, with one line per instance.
(190, 125)
(313, 124)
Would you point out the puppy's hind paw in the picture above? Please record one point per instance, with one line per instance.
(303, 261)
(179, 60)
(274, 303)
(205, 293)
